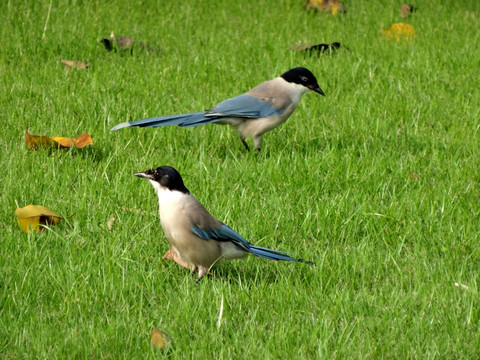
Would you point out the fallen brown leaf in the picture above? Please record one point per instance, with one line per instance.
(73, 64)
(407, 9)
(83, 140)
(414, 176)
(110, 222)
(160, 340)
(32, 217)
(35, 141)
(316, 5)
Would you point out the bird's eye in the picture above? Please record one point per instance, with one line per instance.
(303, 78)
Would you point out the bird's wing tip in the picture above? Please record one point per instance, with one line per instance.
(120, 126)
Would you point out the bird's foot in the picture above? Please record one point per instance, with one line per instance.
(202, 271)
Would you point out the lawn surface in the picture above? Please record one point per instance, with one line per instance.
(378, 183)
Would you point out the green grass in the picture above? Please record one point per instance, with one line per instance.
(378, 182)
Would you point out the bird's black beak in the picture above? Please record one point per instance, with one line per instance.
(144, 175)
(318, 90)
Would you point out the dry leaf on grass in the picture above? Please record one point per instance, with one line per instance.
(337, 8)
(160, 340)
(36, 141)
(73, 64)
(333, 7)
(407, 9)
(110, 222)
(32, 217)
(413, 176)
(399, 31)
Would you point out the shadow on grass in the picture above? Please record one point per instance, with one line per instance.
(246, 275)
(94, 153)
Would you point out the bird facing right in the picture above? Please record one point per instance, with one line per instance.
(253, 113)
(199, 239)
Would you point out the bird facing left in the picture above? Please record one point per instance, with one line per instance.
(199, 239)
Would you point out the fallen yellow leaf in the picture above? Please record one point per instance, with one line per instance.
(399, 31)
(337, 8)
(332, 6)
(63, 141)
(160, 340)
(32, 217)
(35, 141)
(316, 4)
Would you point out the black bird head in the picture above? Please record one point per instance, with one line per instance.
(303, 76)
(166, 177)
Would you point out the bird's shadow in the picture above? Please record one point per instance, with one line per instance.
(245, 276)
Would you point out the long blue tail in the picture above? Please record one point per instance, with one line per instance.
(274, 254)
(184, 120)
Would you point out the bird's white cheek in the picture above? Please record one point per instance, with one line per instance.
(156, 185)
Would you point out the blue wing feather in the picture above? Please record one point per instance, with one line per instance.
(242, 106)
(225, 233)
(203, 234)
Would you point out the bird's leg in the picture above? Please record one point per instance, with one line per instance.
(245, 144)
(192, 268)
(201, 273)
(257, 141)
